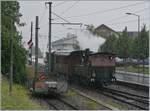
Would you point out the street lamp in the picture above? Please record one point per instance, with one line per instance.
(138, 31)
(138, 21)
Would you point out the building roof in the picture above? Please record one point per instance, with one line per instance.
(104, 26)
(63, 52)
(130, 33)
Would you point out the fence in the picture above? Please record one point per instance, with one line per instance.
(133, 77)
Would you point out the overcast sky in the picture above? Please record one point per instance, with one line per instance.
(111, 13)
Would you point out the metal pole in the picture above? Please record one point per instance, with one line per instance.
(31, 40)
(141, 45)
(11, 57)
(138, 40)
(49, 58)
(138, 44)
(36, 51)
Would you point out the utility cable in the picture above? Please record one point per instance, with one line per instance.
(124, 16)
(135, 20)
(59, 4)
(61, 17)
(69, 7)
(107, 10)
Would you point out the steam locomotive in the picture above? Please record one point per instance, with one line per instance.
(85, 67)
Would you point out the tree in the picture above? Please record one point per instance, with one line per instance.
(124, 45)
(144, 43)
(109, 45)
(141, 45)
(9, 13)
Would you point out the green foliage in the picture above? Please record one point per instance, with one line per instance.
(134, 69)
(19, 99)
(109, 45)
(124, 45)
(141, 45)
(128, 47)
(10, 16)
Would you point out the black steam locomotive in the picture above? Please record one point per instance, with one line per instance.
(85, 67)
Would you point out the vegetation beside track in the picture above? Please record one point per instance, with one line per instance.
(111, 102)
(89, 103)
(10, 19)
(71, 93)
(134, 69)
(30, 71)
(19, 98)
(92, 104)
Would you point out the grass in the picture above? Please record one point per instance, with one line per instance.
(114, 104)
(134, 69)
(92, 104)
(30, 72)
(71, 93)
(18, 99)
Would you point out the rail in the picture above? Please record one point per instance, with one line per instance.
(60, 104)
(96, 100)
(138, 101)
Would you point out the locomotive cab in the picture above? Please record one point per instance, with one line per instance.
(103, 67)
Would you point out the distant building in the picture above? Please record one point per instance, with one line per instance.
(69, 43)
(106, 31)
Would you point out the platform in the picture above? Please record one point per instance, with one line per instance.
(133, 77)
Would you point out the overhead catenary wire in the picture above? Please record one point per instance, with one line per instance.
(104, 11)
(134, 20)
(68, 22)
(67, 9)
(60, 4)
(124, 16)
(111, 20)
(60, 17)
(44, 12)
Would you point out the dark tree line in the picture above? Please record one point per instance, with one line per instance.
(128, 47)
(125, 46)
(10, 12)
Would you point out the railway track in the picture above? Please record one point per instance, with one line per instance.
(127, 93)
(102, 103)
(135, 86)
(60, 104)
(137, 101)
